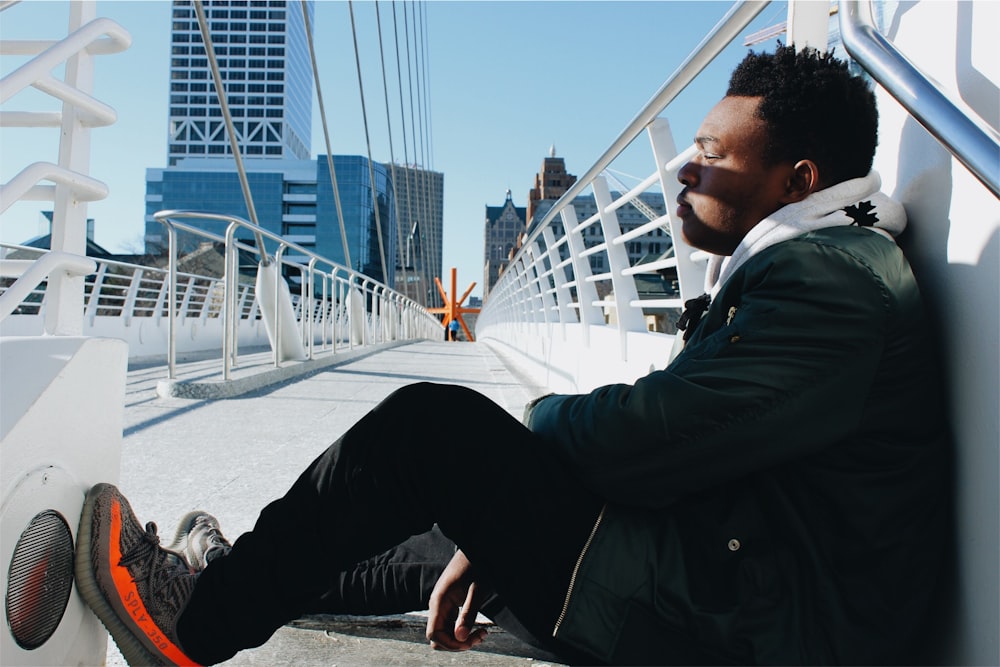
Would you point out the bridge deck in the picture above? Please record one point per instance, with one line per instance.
(232, 456)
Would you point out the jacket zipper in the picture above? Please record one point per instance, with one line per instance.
(576, 569)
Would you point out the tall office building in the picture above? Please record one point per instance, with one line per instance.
(420, 218)
(551, 182)
(508, 225)
(263, 57)
(293, 199)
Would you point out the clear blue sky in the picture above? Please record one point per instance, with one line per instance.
(507, 80)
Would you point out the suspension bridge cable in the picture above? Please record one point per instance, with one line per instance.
(425, 286)
(326, 136)
(220, 92)
(436, 238)
(427, 75)
(424, 177)
(392, 155)
(413, 132)
(371, 168)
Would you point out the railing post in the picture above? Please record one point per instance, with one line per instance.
(623, 286)
(161, 298)
(95, 292)
(808, 24)
(538, 267)
(586, 293)
(128, 308)
(324, 319)
(307, 326)
(563, 298)
(337, 288)
(278, 262)
(230, 316)
(64, 293)
(523, 298)
(171, 301)
(690, 274)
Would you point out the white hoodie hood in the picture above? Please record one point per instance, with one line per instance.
(858, 202)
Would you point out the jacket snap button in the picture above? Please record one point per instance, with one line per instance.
(734, 545)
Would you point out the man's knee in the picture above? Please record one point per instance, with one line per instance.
(421, 394)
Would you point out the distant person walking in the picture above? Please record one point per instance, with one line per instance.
(453, 330)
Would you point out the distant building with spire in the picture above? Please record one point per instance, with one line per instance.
(504, 226)
(551, 182)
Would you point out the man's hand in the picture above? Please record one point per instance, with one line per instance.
(454, 605)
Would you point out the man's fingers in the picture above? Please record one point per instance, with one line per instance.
(442, 640)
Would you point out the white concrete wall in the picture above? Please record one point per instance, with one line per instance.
(147, 336)
(60, 433)
(954, 246)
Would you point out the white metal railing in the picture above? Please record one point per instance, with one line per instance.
(69, 186)
(971, 140)
(114, 289)
(72, 294)
(334, 303)
(121, 298)
(552, 306)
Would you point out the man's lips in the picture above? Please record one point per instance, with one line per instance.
(683, 208)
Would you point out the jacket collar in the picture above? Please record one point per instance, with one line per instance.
(858, 201)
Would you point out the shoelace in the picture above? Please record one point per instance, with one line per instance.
(156, 569)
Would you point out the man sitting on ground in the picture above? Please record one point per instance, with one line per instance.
(777, 494)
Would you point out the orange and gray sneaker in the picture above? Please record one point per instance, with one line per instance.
(137, 588)
(199, 539)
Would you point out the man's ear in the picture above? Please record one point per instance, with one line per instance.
(802, 182)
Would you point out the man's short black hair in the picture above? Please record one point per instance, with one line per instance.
(815, 109)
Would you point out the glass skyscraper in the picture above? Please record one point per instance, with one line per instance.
(263, 57)
(264, 64)
(292, 198)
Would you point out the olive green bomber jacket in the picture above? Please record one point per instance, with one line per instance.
(777, 493)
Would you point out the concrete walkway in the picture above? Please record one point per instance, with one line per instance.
(232, 456)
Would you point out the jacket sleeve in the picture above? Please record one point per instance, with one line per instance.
(786, 377)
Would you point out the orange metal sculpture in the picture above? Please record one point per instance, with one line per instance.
(453, 309)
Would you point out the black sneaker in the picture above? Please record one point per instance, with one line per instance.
(199, 539)
(137, 588)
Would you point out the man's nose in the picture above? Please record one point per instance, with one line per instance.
(688, 174)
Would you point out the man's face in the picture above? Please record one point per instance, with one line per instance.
(728, 187)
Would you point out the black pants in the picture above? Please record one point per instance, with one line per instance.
(401, 580)
(492, 487)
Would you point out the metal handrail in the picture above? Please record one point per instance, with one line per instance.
(350, 278)
(33, 273)
(725, 31)
(541, 286)
(973, 143)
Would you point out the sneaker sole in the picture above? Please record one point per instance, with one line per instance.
(133, 648)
